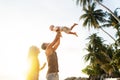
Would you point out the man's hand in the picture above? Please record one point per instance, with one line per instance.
(59, 34)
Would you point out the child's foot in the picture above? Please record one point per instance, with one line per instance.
(76, 34)
(75, 24)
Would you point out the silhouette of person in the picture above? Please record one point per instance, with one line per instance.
(34, 65)
(64, 29)
(52, 59)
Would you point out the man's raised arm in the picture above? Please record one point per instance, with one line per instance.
(57, 37)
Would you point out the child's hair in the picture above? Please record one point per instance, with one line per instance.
(51, 27)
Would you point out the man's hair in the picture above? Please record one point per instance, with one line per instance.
(44, 46)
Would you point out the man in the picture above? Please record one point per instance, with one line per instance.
(50, 50)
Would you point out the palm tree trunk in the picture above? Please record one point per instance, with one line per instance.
(107, 33)
(108, 10)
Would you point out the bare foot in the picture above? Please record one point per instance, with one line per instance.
(75, 34)
(75, 24)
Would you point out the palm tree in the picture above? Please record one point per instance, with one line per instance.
(99, 2)
(96, 48)
(111, 20)
(99, 53)
(93, 70)
(86, 2)
(92, 18)
(115, 24)
(83, 2)
(100, 56)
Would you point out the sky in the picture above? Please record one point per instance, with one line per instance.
(24, 23)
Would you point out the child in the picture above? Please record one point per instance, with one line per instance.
(64, 29)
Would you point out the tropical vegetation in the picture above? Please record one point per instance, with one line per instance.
(104, 59)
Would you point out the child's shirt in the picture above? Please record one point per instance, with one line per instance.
(62, 29)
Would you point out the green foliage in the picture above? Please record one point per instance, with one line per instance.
(103, 58)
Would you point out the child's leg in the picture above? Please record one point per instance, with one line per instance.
(74, 33)
(73, 26)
